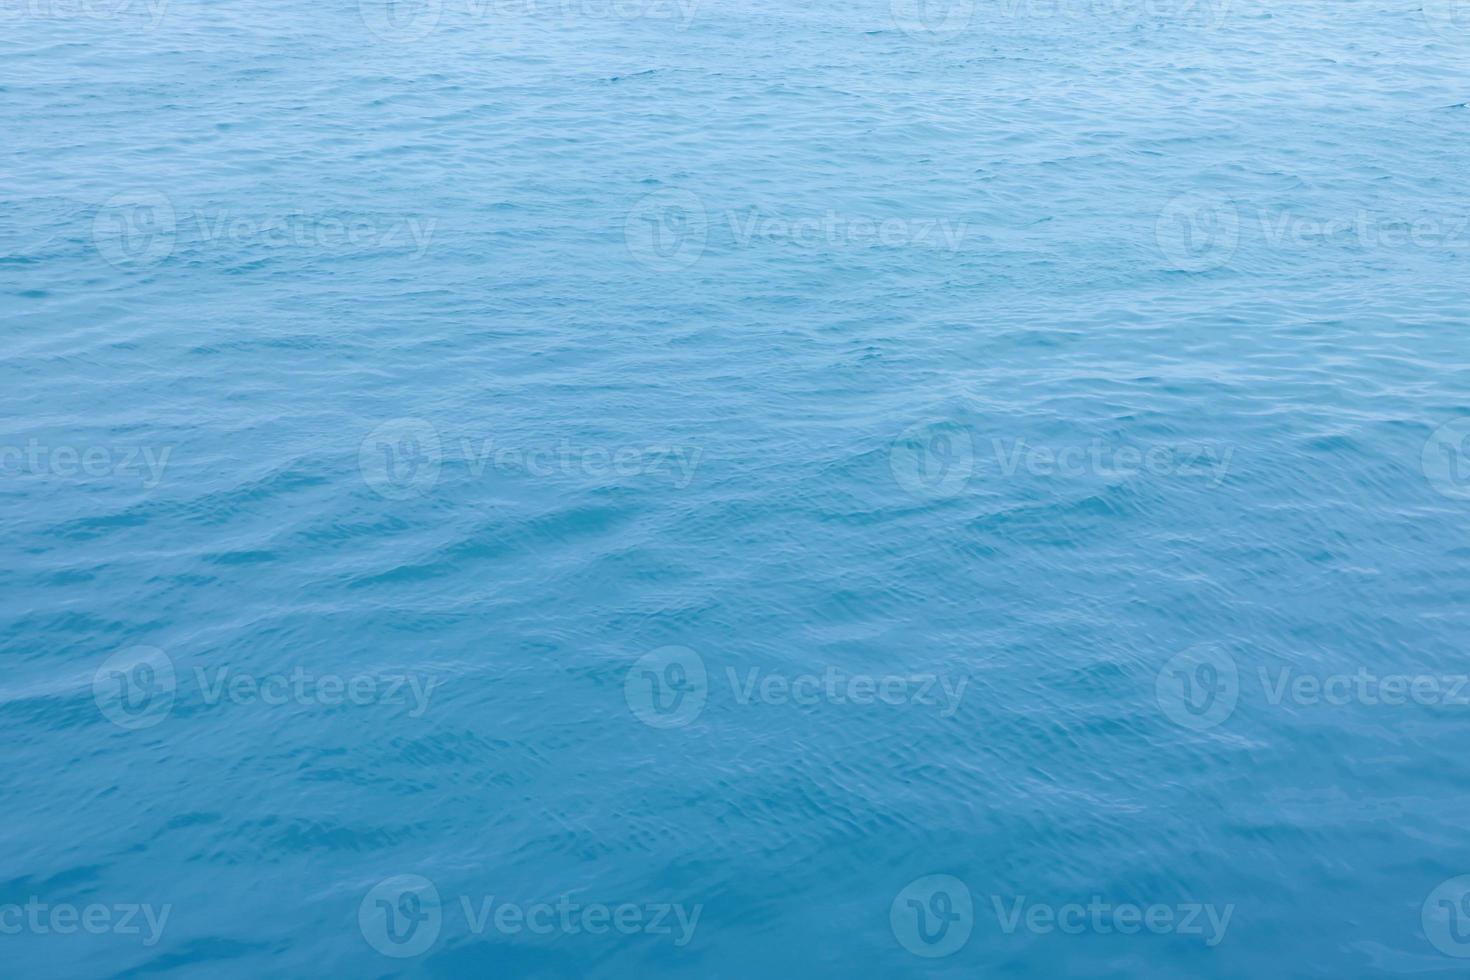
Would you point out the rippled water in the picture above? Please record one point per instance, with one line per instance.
(575, 489)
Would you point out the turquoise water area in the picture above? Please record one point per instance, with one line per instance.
(565, 488)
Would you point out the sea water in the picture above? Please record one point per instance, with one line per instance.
(574, 488)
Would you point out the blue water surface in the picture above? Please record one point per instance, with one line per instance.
(575, 488)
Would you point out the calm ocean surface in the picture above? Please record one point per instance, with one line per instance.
(564, 488)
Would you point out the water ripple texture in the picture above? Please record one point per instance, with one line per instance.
(663, 488)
